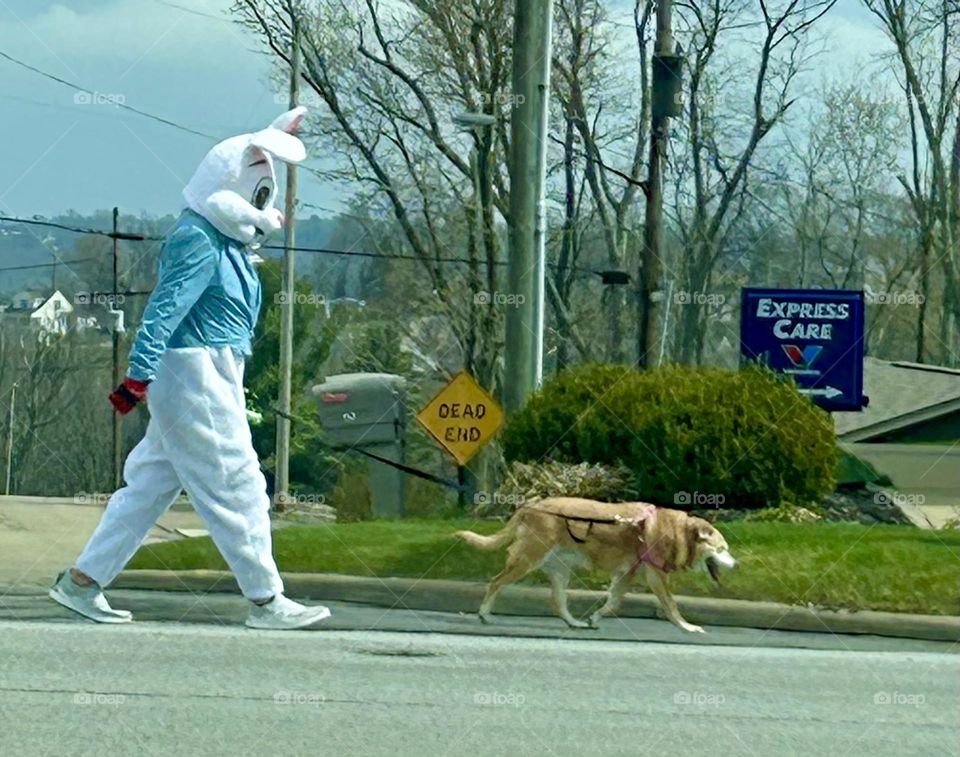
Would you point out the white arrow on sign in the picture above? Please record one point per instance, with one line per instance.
(828, 391)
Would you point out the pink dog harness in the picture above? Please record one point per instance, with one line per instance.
(644, 553)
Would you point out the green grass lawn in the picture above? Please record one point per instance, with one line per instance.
(832, 565)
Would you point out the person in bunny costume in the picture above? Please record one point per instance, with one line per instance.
(187, 363)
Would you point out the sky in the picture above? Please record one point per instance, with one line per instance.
(186, 61)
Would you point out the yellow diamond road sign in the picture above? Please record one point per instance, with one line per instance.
(462, 417)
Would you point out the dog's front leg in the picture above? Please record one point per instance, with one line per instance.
(658, 583)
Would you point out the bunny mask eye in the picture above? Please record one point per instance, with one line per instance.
(262, 193)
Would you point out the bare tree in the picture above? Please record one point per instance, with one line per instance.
(41, 364)
(839, 204)
(712, 163)
(604, 125)
(387, 79)
(926, 37)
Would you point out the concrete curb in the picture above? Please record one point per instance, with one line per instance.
(82, 499)
(462, 596)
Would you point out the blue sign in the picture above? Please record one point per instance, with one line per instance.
(813, 335)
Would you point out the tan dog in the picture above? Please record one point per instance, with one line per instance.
(558, 534)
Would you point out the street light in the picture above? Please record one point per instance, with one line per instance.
(468, 120)
(476, 123)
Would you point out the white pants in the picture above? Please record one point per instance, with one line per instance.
(198, 439)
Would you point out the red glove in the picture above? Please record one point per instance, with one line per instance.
(126, 396)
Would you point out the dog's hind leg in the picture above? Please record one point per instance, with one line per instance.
(657, 582)
(618, 585)
(520, 561)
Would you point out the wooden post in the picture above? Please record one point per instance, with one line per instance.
(523, 354)
(282, 482)
(650, 302)
(117, 378)
(10, 422)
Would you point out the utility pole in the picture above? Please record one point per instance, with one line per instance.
(282, 482)
(117, 378)
(665, 91)
(528, 150)
(10, 420)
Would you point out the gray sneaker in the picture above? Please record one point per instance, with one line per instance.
(86, 600)
(282, 614)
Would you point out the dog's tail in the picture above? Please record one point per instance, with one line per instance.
(494, 541)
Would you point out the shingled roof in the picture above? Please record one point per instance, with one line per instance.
(901, 395)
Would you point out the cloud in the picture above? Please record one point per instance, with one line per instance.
(154, 54)
(853, 40)
(183, 65)
(125, 32)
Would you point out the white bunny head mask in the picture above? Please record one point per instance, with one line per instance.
(235, 185)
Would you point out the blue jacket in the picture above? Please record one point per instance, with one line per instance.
(207, 295)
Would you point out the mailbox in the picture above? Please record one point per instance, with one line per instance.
(368, 411)
(360, 409)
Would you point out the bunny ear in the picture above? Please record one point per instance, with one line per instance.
(290, 121)
(286, 147)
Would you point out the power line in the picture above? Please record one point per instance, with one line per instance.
(608, 276)
(92, 93)
(79, 230)
(47, 265)
(193, 12)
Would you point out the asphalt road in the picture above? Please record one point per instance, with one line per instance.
(207, 686)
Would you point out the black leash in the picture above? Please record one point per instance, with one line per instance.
(408, 469)
(576, 538)
(425, 475)
(591, 521)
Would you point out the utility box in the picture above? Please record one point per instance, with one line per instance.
(667, 86)
(367, 411)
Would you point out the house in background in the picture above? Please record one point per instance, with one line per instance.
(910, 403)
(26, 301)
(50, 315)
(910, 431)
(18, 311)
